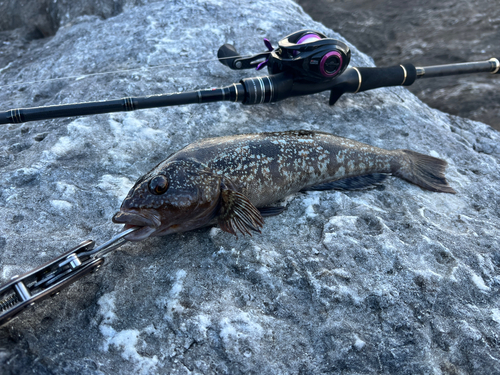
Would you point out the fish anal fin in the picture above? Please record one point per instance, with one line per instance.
(351, 183)
(238, 214)
(271, 211)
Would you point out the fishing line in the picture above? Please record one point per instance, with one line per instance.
(142, 68)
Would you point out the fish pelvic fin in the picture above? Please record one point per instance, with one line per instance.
(423, 170)
(238, 214)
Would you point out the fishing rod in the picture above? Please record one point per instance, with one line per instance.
(305, 62)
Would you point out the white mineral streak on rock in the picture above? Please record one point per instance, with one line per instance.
(79, 132)
(117, 185)
(66, 190)
(171, 301)
(125, 340)
(479, 282)
(309, 201)
(359, 344)
(107, 307)
(61, 205)
(241, 333)
(495, 315)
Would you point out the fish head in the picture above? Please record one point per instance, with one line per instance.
(174, 197)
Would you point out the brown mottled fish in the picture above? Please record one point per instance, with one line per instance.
(233, 180)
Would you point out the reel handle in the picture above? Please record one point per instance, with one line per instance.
(227, 55)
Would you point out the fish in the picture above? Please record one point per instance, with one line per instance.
(233, 181)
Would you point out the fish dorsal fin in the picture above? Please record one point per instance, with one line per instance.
(237, 213)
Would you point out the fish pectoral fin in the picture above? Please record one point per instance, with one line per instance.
(237, 213)
(351, 183)
(271, 211)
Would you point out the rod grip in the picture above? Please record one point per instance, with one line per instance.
(398, 75)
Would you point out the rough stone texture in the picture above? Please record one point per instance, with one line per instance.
(393, 280)
(25, 21)
(41, 18)
(426, 32)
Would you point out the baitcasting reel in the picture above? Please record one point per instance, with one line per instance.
(309, 55)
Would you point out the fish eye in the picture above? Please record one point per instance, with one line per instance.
(158, 185)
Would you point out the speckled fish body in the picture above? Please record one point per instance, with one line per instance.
(208, 179)
(267, 167)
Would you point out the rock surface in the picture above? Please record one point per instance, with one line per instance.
(34, 19)
(426, 32)
(393, 280)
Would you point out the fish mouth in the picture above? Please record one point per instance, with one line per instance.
(148, 221)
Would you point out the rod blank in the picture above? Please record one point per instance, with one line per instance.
(233, 92)
(490, 66)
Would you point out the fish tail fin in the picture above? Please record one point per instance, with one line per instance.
(423, 170)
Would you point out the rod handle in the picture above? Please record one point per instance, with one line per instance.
(397, 75)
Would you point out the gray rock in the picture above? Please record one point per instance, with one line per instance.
(41, 18)
(390, 280)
